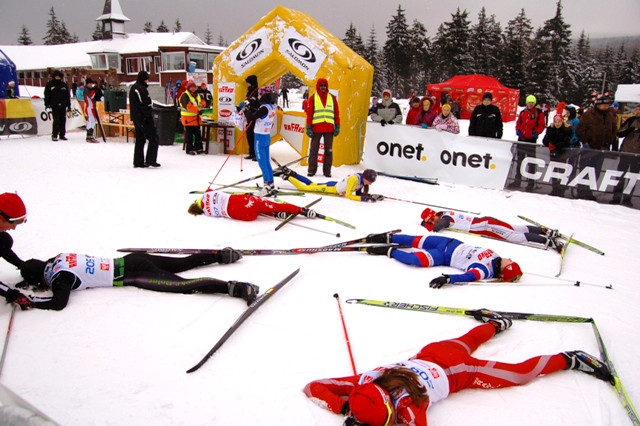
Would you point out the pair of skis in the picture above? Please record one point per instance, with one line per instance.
(618, 386)
(568, 239)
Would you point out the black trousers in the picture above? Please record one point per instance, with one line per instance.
(314, 147)
(158, 273)
(59, 117)
(145, 131)
(192, 138)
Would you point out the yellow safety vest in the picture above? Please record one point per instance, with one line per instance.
(321, 113)
(195, 101)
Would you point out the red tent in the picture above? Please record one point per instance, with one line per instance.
(467, 90)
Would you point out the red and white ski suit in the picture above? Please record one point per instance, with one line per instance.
(443, 367)
(242, 206)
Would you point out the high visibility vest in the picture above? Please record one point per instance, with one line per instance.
(195, 101)
(321, 113)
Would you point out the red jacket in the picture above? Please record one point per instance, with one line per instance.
(322, 127)
(530, 121)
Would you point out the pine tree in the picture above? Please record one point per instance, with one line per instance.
(453, 55)
(586, 69)
(372, 55)
(148, 27)
(208, 36)
(631, 69)
(65, 36)
(606, 60)
(396, 54)
(619, 66)
(516, 41)
(53, 29)
(421, 65)
(97, 32)
(222, 41)
(177, 27)
(24, 38)
(538, 64)
(162, 28)
(289, 80)
(486, 44)
(354, 40)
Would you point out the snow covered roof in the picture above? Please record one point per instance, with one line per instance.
(71, 55)
(114, 13)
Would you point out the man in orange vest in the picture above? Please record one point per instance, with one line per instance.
(190, 105)
(323, 122)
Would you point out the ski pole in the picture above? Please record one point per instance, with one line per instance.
(346, 335)
(6, 339)
(576, 283)
(429, 204)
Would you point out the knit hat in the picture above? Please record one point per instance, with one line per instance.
(143, 76)
(12, 208)
(558, 116)
(531, 98)
(511, 272)
(615, 104)
(32, 271)
(415, 99)
(445, 106)
(428, 215)
(371, 405)
(252, 80)
(370, 175)
(487, 95)
(386, 91)
(203, 84)
(265, 89)
(190, 84)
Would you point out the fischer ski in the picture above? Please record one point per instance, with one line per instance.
(292, 215)
(467, 312)
(257, 176)
(246, 314)
(532, 245)
(565, 237)
(429, 204)
(430, 181)
(331, 219)
(257, 252)
(563, 251)
(623, 396)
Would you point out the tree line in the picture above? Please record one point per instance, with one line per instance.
(543, 61)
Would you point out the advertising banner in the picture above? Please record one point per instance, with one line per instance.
(301, 52)
(226, 98)
(255, 48)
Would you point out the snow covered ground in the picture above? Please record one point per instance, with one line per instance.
(118, 356)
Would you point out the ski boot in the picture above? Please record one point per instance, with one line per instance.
(284, 173)
(309, 213)
(228, 255)
(245, 291)
(557, 244)
(268, 190)
(579, 360)
(384, 238)
(498, 321)
(281, 215)
(381, 250)
(551, 233)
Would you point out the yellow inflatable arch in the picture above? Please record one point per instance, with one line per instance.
(287, 40)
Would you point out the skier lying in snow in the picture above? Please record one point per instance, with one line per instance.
(490, 227)
(70, 271)
(243, 206)
(401, 393)
(354, 187)
(479, 263)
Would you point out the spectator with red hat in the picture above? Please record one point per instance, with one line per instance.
(190, 112)
(205, 94)
(401, 392)
(354, 187)
(490, 227)
(12, 213)
(323, 122)
(478, 263)
(386, 111)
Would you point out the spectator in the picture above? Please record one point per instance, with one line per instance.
(205, 94)
(174, 93)
(486, 120)
(92, 95)
(12, 213)
(558, 139)
(190, 112)
(529, 125)
(285, 97)
(446, 121)
(596, 131)
(58, 100)
(141, 115)
(80, 95)
(427, 114)
(374, 104)
(323, 122)
(251, 105)
(10, 90)
(413, 116)
(387, 111)
(573, 120)
(630, 131)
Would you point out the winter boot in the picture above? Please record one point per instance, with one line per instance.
(90, 137)
(246, 291)
(309, 213)
(380, 238)
(381, 250)
(228, 255)
(498, 321)
(579, 360)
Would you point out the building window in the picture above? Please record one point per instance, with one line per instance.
(104, 61)
(158, 64)
(210, 58)
(200, 60)
(173, 61)
(135, 65)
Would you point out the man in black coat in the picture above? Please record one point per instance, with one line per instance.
(486, 119)
(140, 109)
(58, 99)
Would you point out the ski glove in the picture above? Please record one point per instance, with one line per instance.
(440, 281)
(424, 126)
(12, 295)
(372, 198)
(241, 105)
(534, 135)
(336, 132)
(309, 131)
(390, 122)
(518, 133)
(383, 122)
(15, 296)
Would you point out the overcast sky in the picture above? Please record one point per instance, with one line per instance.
(232, 18)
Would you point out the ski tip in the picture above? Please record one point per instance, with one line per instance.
(338, 235)
(353, 300)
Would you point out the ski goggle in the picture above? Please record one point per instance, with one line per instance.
(16, 220)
